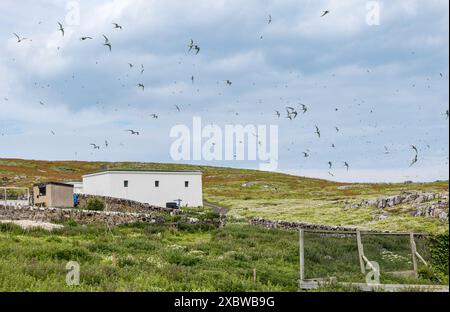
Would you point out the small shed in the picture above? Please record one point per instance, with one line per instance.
(53, 194)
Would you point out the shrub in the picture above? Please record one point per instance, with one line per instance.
(95, 275)
(155, 229)
(430, 274)
(128, 260)
(95, 204)
(209, 216)
(439, 258)
(102, 247)
(71, 254)
(41, 270)
(194, 228)
(180, 258)
(71, 222)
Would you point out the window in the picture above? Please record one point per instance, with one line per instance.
(156, 183)
(125, 183)
(42, 191)
(186, 183)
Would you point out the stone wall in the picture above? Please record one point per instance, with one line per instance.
(298, 225)
(340, 231)
(123, 205)
(81, 216)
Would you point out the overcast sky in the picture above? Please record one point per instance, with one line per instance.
(384, 86)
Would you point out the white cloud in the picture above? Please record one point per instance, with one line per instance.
(251, 60)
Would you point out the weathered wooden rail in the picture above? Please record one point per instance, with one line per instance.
(314, 283)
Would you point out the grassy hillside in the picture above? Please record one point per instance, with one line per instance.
(251, 193)
(142, 257)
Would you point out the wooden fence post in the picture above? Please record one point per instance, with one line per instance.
(413, 253)
(360, 252)
(301, 247)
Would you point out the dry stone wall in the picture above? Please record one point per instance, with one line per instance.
(81, 216)
(298, 225)
(316, 227)
(123, 205)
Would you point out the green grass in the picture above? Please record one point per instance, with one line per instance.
(155, 258)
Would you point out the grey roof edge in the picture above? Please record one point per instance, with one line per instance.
(52, 183)
(140, 171)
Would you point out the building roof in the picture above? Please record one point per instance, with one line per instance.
(196, 172)
(52, 183)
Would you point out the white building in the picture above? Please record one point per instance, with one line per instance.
(77, 186)
(152, 187)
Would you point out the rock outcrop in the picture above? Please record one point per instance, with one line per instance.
(426, 204)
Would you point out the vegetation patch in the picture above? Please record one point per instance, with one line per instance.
(95, 204)
(145, 257)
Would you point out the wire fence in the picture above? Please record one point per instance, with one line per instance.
(361, 257)
(14, 196)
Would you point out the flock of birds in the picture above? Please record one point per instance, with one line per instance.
(291, 112)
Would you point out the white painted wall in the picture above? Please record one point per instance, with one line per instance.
(141, 186)
(77, 186)
(97, 184)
